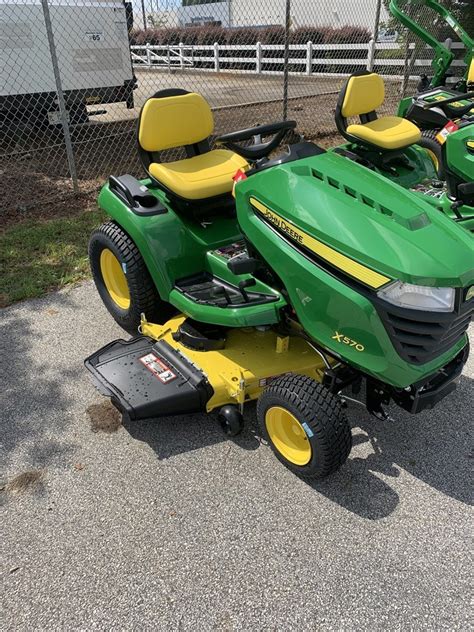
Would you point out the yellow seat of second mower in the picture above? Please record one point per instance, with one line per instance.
(388, 132)
(199, 177)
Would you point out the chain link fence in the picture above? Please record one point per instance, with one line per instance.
(74, 74)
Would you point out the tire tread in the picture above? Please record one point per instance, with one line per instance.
(323, 413)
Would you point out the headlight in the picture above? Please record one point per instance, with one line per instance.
(428, 299)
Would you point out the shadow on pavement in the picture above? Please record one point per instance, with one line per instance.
(34, 401)
(170, 436)
(432, 446)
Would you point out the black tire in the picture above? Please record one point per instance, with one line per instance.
(428, 141)
(321, 417)
(231, 420)
(144, 297)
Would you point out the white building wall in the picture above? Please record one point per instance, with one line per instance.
(335, 13)
(201, 13)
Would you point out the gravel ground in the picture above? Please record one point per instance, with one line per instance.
(169, 525)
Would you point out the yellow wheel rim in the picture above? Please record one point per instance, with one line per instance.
(114, 279)
(288, 435)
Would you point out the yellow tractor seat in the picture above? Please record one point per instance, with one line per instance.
(177, 118)
(362, 94)
(202, 176)
(388, 132)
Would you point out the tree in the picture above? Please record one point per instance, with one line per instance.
(463, 11)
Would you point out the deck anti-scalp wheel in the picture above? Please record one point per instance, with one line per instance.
(123, 280)
(305, 426)
(231, 420)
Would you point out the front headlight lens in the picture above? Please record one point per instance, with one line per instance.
(428, 299)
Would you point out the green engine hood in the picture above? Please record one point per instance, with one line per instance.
(366, 217)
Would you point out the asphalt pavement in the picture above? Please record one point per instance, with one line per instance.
(170, 525)
(222, 90)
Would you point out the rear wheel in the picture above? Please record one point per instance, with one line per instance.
(305, 426)
(122, 279)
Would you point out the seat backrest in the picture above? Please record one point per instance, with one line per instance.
(174, 121)
(470, 74)
(364, 93)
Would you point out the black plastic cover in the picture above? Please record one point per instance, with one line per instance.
(148, 379)
(427, 393)
(136, 195)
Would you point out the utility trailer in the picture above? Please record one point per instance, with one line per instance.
(93, 54)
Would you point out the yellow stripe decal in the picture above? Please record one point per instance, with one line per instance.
(335, 258)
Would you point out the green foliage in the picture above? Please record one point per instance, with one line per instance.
(41, 255)
(462, 10)
(248, 35)
(189, 3)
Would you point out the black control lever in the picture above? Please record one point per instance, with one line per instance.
(220, 290)
(243, 284)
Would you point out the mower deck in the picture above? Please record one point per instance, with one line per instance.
(155, 374)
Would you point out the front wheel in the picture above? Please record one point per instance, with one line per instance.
(122, 279)
(305, 426)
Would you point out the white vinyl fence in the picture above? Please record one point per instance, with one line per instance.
(308, 59)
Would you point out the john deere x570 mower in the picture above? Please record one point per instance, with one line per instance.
(323, 274)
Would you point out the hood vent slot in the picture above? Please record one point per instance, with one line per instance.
(350, 192)
(411, 223)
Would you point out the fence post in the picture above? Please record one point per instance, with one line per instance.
(410, 61)
(216, 57)
(258, 59)
(309, 58)
(181, 55)
(374, 38)
(148, 55)
(61, 101)
(286, 58)
(371, 55)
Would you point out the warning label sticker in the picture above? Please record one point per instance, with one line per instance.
(157, 367)
(265, 381)
(448, 129)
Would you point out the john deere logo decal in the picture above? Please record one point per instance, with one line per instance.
(299, 238)
(470, 293)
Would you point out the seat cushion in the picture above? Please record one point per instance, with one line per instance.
(199, 177)
(388, 132)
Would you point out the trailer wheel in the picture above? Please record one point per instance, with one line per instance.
(434, 150)
(305, 426)
(122, 279)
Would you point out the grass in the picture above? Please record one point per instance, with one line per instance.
(37, 256)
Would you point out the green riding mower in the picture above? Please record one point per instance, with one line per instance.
(439, 109)
(291, 279)
(392, 146)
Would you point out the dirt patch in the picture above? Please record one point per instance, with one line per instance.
(104, 417)
(24, 482)
(39, 195)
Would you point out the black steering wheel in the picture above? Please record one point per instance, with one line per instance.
(258, 149)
